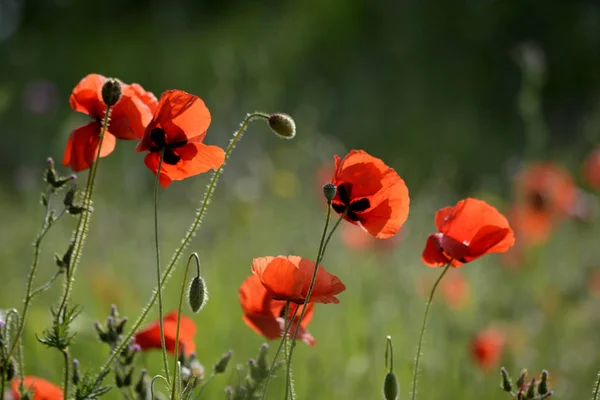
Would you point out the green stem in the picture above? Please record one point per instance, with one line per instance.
(183, 285)
(188, 236)
(286, 332)
(66, 374)
(597, 388)
(422, 334)
(389, 351)
(157, 248)
(320, 254)
(210, 378)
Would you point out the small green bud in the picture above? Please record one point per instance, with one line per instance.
(390, 387)
(76, 377)
(521, 379)
(282, 125)
(329, 190)
(531, 390)
(506, 383)
(127, 379)
(262, 357)
(221, 365)
(111, 92)
(70, 196)
(197, 295)
(141, 388)
(543, 386)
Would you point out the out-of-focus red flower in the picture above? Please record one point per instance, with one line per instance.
(178, 128)
(467, 231)
(288, 278)
(41, 388)
(591, 169)
(149, 337)
(128, 118)
(546, 193)
(265, 316)
(455, 289)
(374, 194)
(594, 283)
(357, 239)
(486, 348)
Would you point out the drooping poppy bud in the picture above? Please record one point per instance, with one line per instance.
(197, 295)
(282, 125)
(390, 387)
(111, 92)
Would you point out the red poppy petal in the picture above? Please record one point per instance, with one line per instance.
(433, 255)
(42, 389)
(362, 171)
(179, 111)
(282, 278)
(255, 300)
(491, 239)
(469, 216)
(130, 116)
(151, 160)
(148, 98)
(443, 216)
(196, 158)
(82, 146)
(308, 315)
(87, 96)
(266, 326)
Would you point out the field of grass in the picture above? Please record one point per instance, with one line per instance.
(270, 204)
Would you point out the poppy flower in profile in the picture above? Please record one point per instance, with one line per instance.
(149, 338)
(41, 389)
(178, 128)
(128, 119)
(265, 315)
(591, 169)
(486, 348)
(467, 231)
(546, 193)
(373, 193)
(288, 278)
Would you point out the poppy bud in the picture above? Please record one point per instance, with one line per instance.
(111, 92)
(70, 196)
(221, 365)
(262, 356)
(390, 387)
(141, 387)
(505, 384)
(50, 175)
(521, 379)
(76, 377)
(128, 377)
(531, 390)
(197, 295)
(329, 190)
(282, 125)
(101, 334)
(543, 386)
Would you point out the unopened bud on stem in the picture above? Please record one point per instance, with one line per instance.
(329, 191)
(111, 92)
(282, 125)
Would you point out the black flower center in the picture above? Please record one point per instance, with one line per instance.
(159, 140)
(354, 206)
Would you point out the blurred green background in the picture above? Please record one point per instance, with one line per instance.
(454, 95)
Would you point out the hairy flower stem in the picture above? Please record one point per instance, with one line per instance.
(187, 238)
(157, 248)
(422, 334)
(30, 293)
(182, 293)
(321, 253)
(286, 332)
(597, 388)
(66, 373)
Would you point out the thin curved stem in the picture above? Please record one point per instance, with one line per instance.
(187, 268)
(422, 334)
(157, 248)
(188, 236)
(597, 388)
(286, 332)
(389, 347)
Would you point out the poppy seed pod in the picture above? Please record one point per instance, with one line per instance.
(282, 125)
(111, 92)
(329, 191)
(197, 295)
(390, 387)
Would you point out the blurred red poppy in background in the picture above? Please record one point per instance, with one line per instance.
(41, 388)
(265, 315)
(591, 169)
(149, 337)
(128, 119)
(467, 231)
(545, 194)
(455, 289)
(373, 193)
(177, 130)
(288, 278)
(486, 348)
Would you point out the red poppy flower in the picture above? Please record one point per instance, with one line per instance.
(467, 231)
(41, 388)
(288, 278)
(546, 193)
(486, 348)
(375, 195)
(265, 315)
(128, 118)
(149, 338)
(591, 169)
(178, 128)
